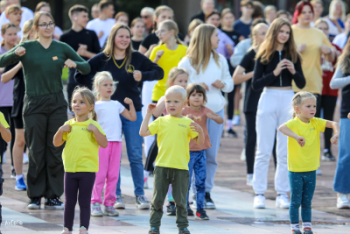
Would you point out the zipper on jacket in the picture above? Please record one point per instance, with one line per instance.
(280, 55)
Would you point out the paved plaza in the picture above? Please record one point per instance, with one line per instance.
(233, 198)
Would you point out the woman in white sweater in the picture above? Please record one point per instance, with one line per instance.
(207, 67)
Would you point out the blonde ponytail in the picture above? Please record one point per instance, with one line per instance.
(98, 79)
(299, 98)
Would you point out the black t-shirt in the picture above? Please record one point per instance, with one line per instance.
(18, 91)
(152, 39)
(345, 103)
(233, 35)
(251, 97)
(200, 16)
(85, 37)
(136, 44)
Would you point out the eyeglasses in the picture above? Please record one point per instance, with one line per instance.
(144, 16)
(50, 25)
(158, 32)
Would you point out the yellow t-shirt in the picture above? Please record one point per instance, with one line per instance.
(3, 121)
(306, 158)
(169, 59)
(313, 38)
(81, 151)
(173, 138)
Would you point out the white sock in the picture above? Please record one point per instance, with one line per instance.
(307, 225)
(295, 226)
(145, 174)
(229, 123)
(18, 177)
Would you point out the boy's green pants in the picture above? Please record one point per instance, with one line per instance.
(179, 179)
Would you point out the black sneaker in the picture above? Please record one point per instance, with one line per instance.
(189, 211)
(202, 215)
(184, 231)
(13, 174)
(54, 204)
(232, 133)
(328, 157)
(154, 231)
(208, 202)
(171, 209)
(34, 203)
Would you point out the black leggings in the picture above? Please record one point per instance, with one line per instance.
(328, 104)
(231, 103)
(82, 182)
(3, 145)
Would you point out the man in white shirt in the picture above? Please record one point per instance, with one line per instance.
(104, 23)
(27, 14)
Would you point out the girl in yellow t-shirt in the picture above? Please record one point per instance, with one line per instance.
(83, 137)
(167, 55)
(303, 133)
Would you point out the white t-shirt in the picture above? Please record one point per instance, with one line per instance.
(340, 40)
(98, 25)
(27, 14)
(108, 117)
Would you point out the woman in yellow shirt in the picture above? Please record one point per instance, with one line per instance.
(84, 136)
(311, 44)
(167, 55)
(304, 156)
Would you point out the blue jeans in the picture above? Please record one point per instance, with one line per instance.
(133, 142)
(197, 164)
(342, 174)
(302, 185)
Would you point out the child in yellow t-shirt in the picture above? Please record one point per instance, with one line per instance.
(304, 156)
(174, 132)
(83, 137)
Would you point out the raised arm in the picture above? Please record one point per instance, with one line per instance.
(13, 56)
(197, 128)
(286, 131)
(150, 70)
(8, 75)
(129, 114)
(58, 138)
(87, 80)
(81, 65)
(339, 80)
(336, 130)
(160, 108)
(144, 131)
(99, 136)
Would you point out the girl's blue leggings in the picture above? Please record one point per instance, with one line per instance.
(302, 185)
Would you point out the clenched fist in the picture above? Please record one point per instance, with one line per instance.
(20, 51)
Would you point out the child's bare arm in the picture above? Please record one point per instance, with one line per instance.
(5, 133)
(58, 138)
(349, 115)
(336, 130)
(129, 114)
(144, 131)
(286, 131)
(159, 109)
(100, 138)
(217, 118)
(200, 138)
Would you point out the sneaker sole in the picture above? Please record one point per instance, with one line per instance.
(119, 207)
(13, 177)
(343, 207)
(18, 189)
(111, 215)
(209, 207)
(328, 159)
(171, 214)
(281, 207)
(199, 218)
(143, 207)
(33, 207)
(96, 215)
(259, 207)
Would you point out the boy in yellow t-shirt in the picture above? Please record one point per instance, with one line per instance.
(174, 132)
(304, 156)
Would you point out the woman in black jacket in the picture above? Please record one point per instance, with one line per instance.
(277, 65)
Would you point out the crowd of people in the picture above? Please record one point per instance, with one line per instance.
(170, 93)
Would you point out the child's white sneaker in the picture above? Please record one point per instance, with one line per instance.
(343, 201)
(66, 231)
(282, 201)
(259, 202)
(110, 211)
(96, 210)
(83, 230)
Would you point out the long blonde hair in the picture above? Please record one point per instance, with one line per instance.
(171, 25)
(299, 98)
(98, 79)
(255, 30)
(269, 46)
(27, 28)
(110, 45)
(200, 48)
(88, 96)
(332, 8)
(344, 59)
(158, 12)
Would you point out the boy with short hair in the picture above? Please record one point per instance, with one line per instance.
(14, 15)
(242, 25)
(174, 132)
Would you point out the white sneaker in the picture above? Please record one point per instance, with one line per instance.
(282, 201)
(243, 158)
(236, 120)
(259, 202)
(96, 210)
(250, 179)
(25, 158)
(343, 201)
(110, 211)
(318, 172)
(119, 203)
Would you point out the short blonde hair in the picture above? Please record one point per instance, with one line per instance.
(332, 8)
(13, 8)
(177, 89)
(98, 79)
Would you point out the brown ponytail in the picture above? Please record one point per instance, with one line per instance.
(89, 97)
